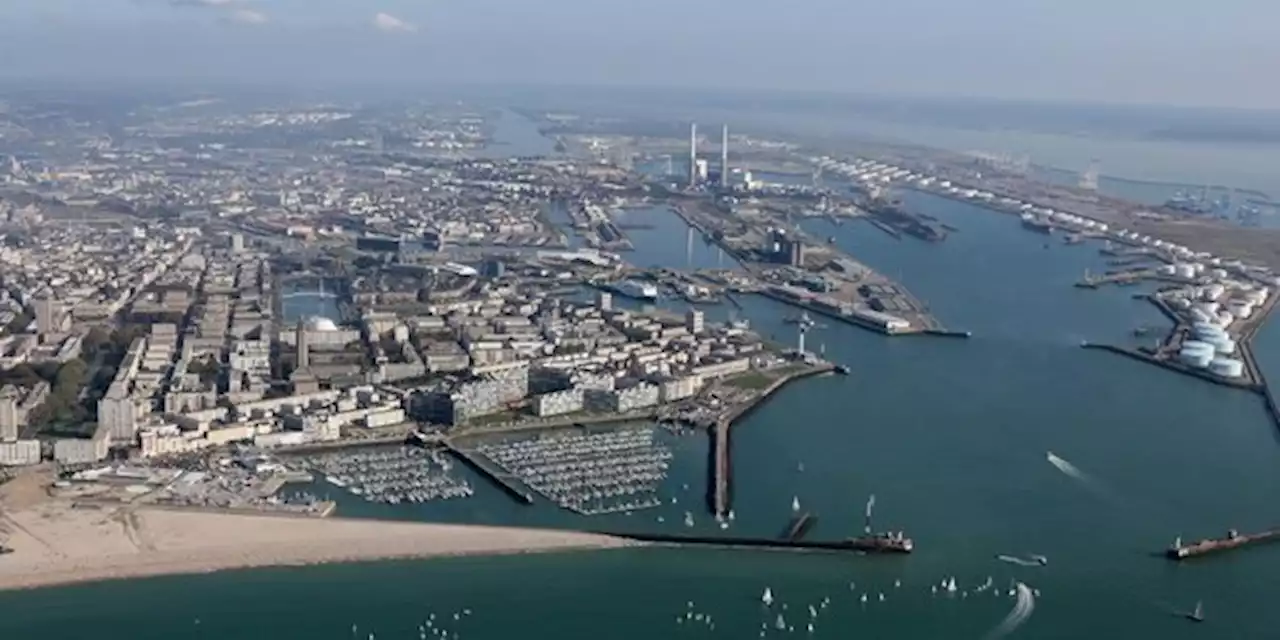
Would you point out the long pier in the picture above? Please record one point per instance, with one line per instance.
(829, 546)
(1176, 367)
(722, 463)
(485, 470)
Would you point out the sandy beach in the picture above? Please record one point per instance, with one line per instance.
(55, 543)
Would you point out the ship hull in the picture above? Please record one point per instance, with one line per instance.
(1038, 227)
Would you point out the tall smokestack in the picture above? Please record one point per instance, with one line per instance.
(724, 157)
(693, 154)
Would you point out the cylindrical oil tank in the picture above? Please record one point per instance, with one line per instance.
(1210, 308)
(1213, 292)
(1241, 310)
(1168, 269)
(1203, 325)
(1224, 347)
(1184, 270)
(1197, 345)
(1197, 359)
(1227, 367)
(1208, 332)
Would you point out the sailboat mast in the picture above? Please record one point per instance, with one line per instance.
(870, 503)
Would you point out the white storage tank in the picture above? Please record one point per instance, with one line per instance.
(1184, 270)
(1197, 345)
(1195, 358)
(1224, 347)
(1168, 269)
(1205, 328)
(1198, 316)
(1219, 273)
(1225, 319)
(1226, 367)
(1241, 310)
(1210, 308)
(1214, 291)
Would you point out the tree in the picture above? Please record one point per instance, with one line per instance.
(95, 340)
(207, 368)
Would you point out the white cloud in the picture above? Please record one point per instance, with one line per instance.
(391, 24)
(248, 16)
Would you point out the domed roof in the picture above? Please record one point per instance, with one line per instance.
(320, 323)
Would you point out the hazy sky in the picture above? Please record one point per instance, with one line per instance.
(1157, 51)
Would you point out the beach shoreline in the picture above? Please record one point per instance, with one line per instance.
(56, 544)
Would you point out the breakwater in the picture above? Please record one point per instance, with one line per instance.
(1173, 366)
(721, 444)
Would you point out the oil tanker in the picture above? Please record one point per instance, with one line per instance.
(1233, 540)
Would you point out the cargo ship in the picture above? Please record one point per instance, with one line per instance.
(882, 543)
(1036, 224)
(1233, 540)
(892, 214)
(634, 289)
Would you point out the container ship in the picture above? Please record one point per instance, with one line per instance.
(634, 289)
(1233, 540)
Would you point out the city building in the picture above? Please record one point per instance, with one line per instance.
(9, 423)
(46, 312)
(694, 321)
(558, 403)
(795, 253)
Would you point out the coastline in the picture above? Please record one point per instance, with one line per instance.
(55, 544)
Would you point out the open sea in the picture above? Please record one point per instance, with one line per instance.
(950, 435)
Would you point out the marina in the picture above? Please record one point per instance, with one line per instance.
(392, 476)
(588, 473)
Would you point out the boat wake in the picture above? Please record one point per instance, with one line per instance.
(1085, 480)
(1022, 610)
(1021, 562)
